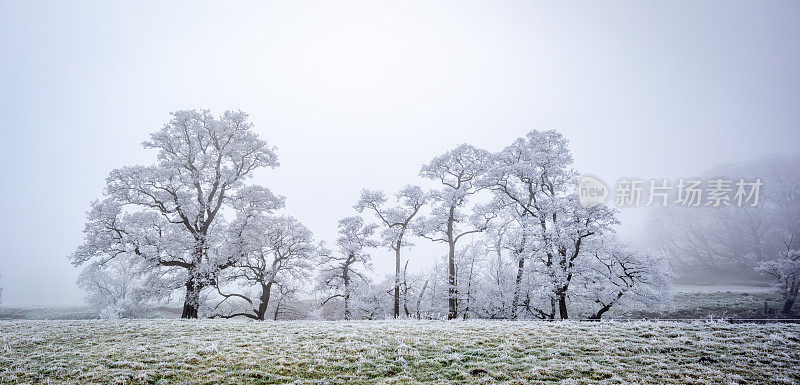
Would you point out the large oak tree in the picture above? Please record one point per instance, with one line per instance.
(169, 213)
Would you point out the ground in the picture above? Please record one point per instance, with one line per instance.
(718, 304)
(689, 302)
(360, 352)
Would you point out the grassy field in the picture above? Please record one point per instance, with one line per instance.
(232, 352)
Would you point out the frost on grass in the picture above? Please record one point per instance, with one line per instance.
(225, 352)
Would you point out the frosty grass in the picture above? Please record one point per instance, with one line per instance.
(311, 352)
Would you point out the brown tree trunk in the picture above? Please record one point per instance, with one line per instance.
(607, 307)
(405, 291)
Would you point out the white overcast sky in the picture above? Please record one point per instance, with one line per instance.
(360, 94)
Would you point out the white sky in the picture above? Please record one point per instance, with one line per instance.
(361, 94)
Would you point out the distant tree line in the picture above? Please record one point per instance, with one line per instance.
(758, 242)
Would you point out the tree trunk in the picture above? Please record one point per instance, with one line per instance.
(787, 306)
(346, 302)
(419, 300)
(794, 289)
(397, 279)
(194, 284)
(262, 307)
(405, 291)
(452, 301)
(346, 281)
(192, 300)
(562, 306)
(517, 282)
(607, 307)
(600, 312)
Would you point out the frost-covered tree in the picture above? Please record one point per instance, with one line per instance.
(469, 261)
(125, 287)
(410, 287)
(534, 180)
(396, 220)
(287, 301)
(270, 251)
(786, 271)
(527, 177)
(500, 287)
(340, 271)
(511, 236)
(458, 170)
(371, 300)
(499, 284)
(617, 275)
(169, 213)
(432, 297)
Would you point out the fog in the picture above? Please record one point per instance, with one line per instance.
(361, 94)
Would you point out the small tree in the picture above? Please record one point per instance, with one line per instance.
(468, 265)
(125, 287)
(340, 270)
(286, 303)
(396, 220)
(370, 300)
(786, 271)
(499, 288)
(617, 274)
(270, 251)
